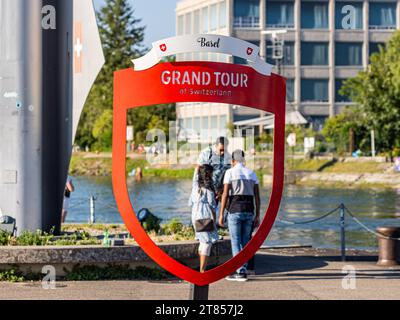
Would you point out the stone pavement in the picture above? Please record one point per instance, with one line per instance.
(280, 274)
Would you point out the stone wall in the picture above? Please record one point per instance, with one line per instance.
(32, 259)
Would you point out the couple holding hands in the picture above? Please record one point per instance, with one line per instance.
(225, 194)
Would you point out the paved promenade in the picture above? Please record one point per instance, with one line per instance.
(280, 274)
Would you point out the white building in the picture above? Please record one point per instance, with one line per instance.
(322, 48)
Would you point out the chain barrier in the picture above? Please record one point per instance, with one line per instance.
(286, 222)
(309, 221)
(77, 204)
(367, 228)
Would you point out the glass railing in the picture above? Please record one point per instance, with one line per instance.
(382, 27)
(281, 26)
(246, 22)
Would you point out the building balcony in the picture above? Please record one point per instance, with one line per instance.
(246, 22)
(280, 26)
(392, 27)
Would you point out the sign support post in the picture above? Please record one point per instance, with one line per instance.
(199, 293)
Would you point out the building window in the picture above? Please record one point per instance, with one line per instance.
(222, 14)
(196, 22)
(214, 123)
(288, 54)
(213, 17)
(180, 25)
(290, 90)
(188, 23)
(382, 15)
(238, 60)
(318, 122)
(314, 15)
(223, 123)
(338, 96)
(204, 20)
(188, 123)
(343, 11)
(204, 129)
(280, 14)
(314, 54)
(314, 90)
(247, 13)
(374, 47)
(197, 124)
(348, 54)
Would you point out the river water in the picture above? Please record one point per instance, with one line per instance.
(168, 199)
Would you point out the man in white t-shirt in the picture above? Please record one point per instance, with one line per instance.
(241, 188)
(69, 188)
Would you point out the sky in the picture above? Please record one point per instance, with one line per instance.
(157, 15)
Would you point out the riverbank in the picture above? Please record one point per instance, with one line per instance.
(321, 171)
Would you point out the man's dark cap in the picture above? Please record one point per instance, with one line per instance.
(222, 140)
(238, 156)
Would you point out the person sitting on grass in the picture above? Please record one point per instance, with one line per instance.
(203, 204)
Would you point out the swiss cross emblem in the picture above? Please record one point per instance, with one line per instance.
(78, 48)
(163, 47)
(249, 51)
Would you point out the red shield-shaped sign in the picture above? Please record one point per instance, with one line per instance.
(249, 51)
(163, 47)
(163, 84)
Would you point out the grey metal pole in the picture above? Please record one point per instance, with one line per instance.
(35, 111)
(21, 112)
(373, 150)
(343, 232)
(92, 201)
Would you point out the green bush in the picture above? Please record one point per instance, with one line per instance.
(177, 229)
(11, 276)
(5, 238)
(152, 223)
(173, 227)
(37, 238)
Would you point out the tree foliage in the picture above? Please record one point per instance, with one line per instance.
(377, 92)
(122, 39)
(337, 130)
(102, 130)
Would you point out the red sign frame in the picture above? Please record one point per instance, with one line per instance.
(133, 89)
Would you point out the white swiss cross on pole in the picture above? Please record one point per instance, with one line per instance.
(78, 47)
(86, 45)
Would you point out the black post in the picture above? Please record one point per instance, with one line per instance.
(198, 293)
(56, 113)
(342, 232)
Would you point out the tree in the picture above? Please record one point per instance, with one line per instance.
(102, 130)
(337, 130)
(122, 38)
(377, 92)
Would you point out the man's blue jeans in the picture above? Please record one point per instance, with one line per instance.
(240, 227)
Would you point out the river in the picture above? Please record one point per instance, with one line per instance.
(168, 199)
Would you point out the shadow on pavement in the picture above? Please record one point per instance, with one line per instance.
(271, 267)
(267, 264)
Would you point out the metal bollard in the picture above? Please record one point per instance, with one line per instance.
(92, 201)
(343, 232)
(389, 248)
